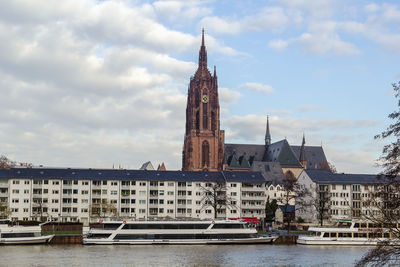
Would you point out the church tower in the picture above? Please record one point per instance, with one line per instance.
(203, 148)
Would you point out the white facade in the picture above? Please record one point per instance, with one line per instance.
(347, 199)
(71, 200)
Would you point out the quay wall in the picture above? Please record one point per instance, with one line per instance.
(65, 233)
(286, 240)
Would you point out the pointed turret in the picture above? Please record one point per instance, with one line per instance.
(302, 157)
(202, 52)
(267, 134)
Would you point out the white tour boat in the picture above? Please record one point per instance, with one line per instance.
(21, 235)
(348, 232)
(175, 232)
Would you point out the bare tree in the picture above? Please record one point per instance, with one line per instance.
(103, 209)
(294, 194)
(5, 210)
(38, 208)
(6, 163)
(384, 203)
(326, 165)
(214, 195)
(321, 203)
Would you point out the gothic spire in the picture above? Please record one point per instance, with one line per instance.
(302, 157)
(203, 52)
(267, 134)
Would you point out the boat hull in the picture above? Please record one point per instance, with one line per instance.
(259, 240)
(339, 241)
(26, 240)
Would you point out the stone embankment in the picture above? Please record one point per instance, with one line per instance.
(65, 233)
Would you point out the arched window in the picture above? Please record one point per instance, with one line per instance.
(213, 121)
(205, 159)
(197, 120)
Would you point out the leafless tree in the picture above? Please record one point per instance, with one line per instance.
(214, 195)
(294, 193)
(321, 203)
(103, 209)
(382, 210)
(326, 165)
(5, 210)
(384, 204)
(6, 163)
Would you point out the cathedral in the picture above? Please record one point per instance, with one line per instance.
(204, 147)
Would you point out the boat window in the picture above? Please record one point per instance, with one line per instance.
(96, 236)
(386, 235)
(111, 226)
(344, 235)
(344, 224)
(326, 234)
(357, 225)
(363, 225)
(228, 226)
(360, 235)
(375, 235)
(182, 236)
(12, 235)
(165, 226)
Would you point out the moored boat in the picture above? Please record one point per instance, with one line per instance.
(349, 232)
(21, 235)
(175, 232)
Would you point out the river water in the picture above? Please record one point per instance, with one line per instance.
(179, 255)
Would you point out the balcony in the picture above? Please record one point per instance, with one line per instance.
(254, 197)
(252, 207)
(253, 189)
(125, 205)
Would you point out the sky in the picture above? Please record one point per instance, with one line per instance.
(98, 84)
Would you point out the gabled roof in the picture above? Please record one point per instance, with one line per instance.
(114, 174)
(328, 177)
(257, 151)
(147, 166)
(271, 171)
(281, 152)
(315, 156)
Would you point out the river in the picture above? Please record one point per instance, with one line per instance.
(164, 255)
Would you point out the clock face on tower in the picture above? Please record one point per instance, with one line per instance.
(204, 99)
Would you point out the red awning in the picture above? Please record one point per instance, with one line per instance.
(249, 219)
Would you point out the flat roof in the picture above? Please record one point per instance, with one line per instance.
(125, 174)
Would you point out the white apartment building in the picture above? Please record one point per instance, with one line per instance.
(73, 194)
(347, 194)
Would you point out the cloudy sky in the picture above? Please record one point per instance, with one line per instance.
(89, 83)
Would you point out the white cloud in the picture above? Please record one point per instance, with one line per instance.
(181, 11)
(278, 44)
(268, 18)
(258, 87)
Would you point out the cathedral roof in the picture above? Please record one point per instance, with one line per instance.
(280, 152)
(314, 155)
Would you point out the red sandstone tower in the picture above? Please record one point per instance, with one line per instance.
(203, 148)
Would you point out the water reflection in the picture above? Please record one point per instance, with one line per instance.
(164, 255)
